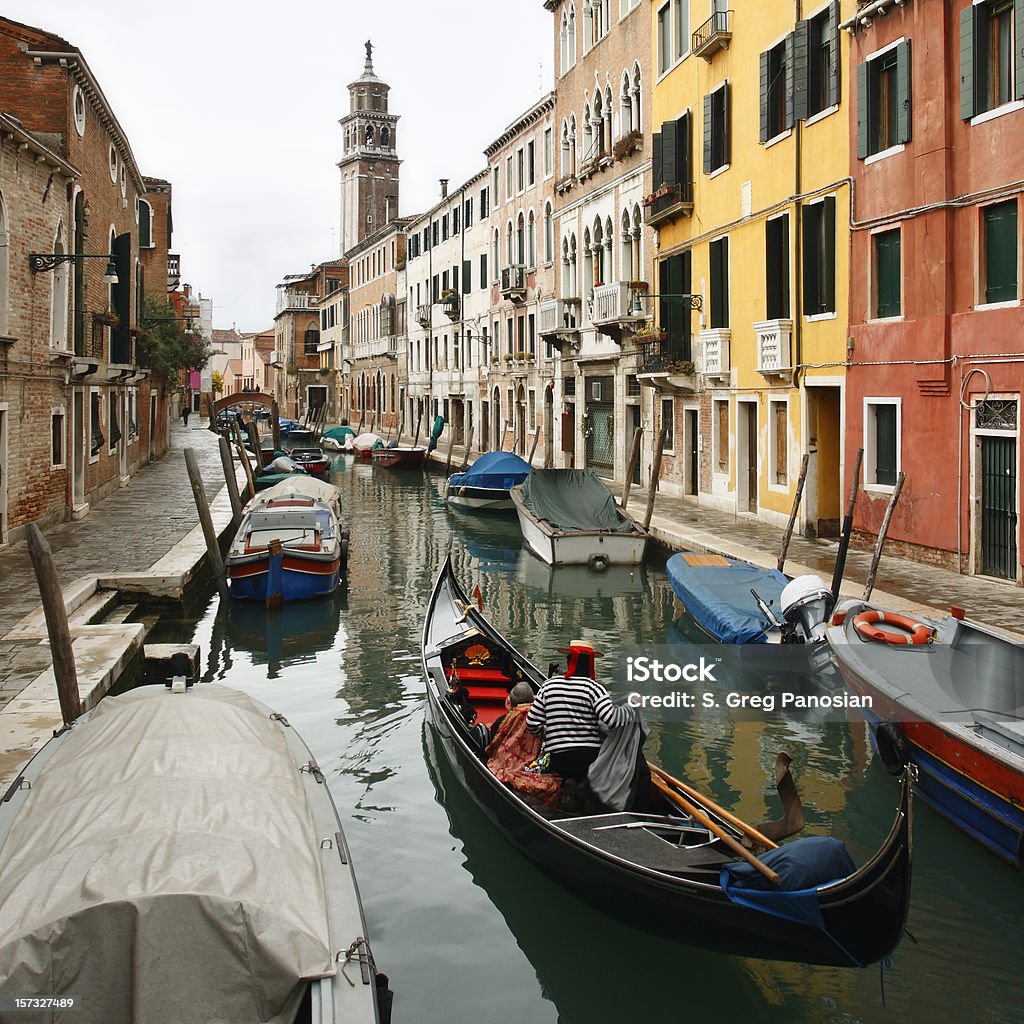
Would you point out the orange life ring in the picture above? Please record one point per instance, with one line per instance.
(917, 633)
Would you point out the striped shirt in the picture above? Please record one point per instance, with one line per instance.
(567, 711)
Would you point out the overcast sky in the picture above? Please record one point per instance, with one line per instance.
(237, 105)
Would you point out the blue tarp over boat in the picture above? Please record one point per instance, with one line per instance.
(500, 470)
(716, 592)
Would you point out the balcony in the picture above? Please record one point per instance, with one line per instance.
(715, 343)
(173, 271)
(560, 322)
(666, 363)
(712, 36)
(513, 282)
(773, 347)
(450, 305)
(615, 308)
(668, 203)
(276, 358)
(423, 314)
(294, 300)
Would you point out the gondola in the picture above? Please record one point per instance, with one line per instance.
(657, 871)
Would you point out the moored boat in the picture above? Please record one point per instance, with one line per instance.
(948, 696)
(312, 460)
(363, 445)
(661, 871)
(569, 517)
(289, 545)
(400, 457)
(177, 856)
(485, 486)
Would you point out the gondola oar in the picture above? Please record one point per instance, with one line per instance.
(702, 819)
(713, 807)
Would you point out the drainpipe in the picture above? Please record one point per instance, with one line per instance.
(797, 240)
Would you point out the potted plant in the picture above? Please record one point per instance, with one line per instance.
(637, 286)
(682, 367)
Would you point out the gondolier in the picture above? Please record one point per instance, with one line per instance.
(569, 710)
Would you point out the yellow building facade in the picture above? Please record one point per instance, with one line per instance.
(750, 206)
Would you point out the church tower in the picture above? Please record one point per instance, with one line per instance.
(369, 164)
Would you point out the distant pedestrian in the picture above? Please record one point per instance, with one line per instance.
(185, 410)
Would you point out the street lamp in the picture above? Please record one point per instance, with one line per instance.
(38, 261)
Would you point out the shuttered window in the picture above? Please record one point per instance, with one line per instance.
(718, 255)
(991, 55)
(819, 257)
(816, 63)
(776, 70)
(776, 260)
(883, 449)
(780, 444)
(1000, 247)
(672, 156)
(884, 101)
(888, 273)
(716, 129)
(674, 302)
(722, 436)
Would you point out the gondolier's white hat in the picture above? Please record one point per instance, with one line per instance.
(581, 647)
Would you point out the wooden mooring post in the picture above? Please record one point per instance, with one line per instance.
(56, 613)
(469, 448)
(533, 448)
(230, 481)
(451, 446)
(634, 455)
(655, 475)
(844, 538)
(792, 515)
(275, 424)
(244, 456)
(869, 583)
(203, 507)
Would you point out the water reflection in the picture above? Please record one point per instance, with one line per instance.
(465, 926)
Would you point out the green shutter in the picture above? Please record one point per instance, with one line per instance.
(684, 155)
(1018, 62)
(763, 136)
(967, 98)
(888, 273)
(801, 42)
(467, 277)
(776, 268)
(663, 302)
(669, 169)
(809, 255)
(863, 110)
(904, 121)
(677, 314)
(834, 58)
(724, 310)
(707, 134)
(790, 119)
(885, 444)
(1000, 252)
(828, 255)
(657, 177)
(685, 289)
(726, 129)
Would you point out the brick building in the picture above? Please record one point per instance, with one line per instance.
(73, 323)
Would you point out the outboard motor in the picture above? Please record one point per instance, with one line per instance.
(806, 605)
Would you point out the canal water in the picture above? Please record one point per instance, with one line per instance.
(466, 928)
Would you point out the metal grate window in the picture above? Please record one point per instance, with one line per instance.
(996, 414)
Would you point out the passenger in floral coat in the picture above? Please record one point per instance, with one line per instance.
(512, 748)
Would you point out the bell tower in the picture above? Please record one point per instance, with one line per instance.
(369, 163)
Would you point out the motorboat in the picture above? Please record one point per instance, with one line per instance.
(569, 517)
(485, 486)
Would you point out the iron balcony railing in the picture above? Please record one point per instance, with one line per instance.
(664, 354)
(713, 35)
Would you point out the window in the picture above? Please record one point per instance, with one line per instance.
(483, 202)
(682, 25)
(508, 177)
(816, 63)
(718, 254)
(778, 443)
(549, 234)
(819, 257)
(520, 170)
(991, 61)
(668, 417)
(549, 152)
(721, 425)
(456, 212)
(777, 89)
(664, 38)
(776, 265)
(674, 315)
(57, 440)
(96, 437)
(310, 341)
(115, 430)
(79, 104)
(468, 217)
(495, 194)
(887, 273)
(882, 441)
(444, 228)
(483, 270)
(672, 159)
(433, 233)
(883, 101)
(999, 225)
(467, 277)
(145, 225)
(716, 129)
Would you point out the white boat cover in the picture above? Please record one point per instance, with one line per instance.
(164, 867)
(299, 487)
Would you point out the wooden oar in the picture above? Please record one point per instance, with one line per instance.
(712, 806)
(701, 818)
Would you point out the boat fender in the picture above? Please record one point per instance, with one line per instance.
(344, 548)
(918, 633)
(598, 563)
(892, 746)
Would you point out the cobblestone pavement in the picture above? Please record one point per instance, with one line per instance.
(988, 601)
(125, 533)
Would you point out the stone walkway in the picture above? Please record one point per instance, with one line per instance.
(126, 533)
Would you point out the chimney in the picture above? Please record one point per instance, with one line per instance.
(444, 188)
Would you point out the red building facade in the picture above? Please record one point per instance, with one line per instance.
(936, 340)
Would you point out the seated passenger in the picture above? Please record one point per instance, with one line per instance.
(512, 748)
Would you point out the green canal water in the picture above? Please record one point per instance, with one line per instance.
(466, 928)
